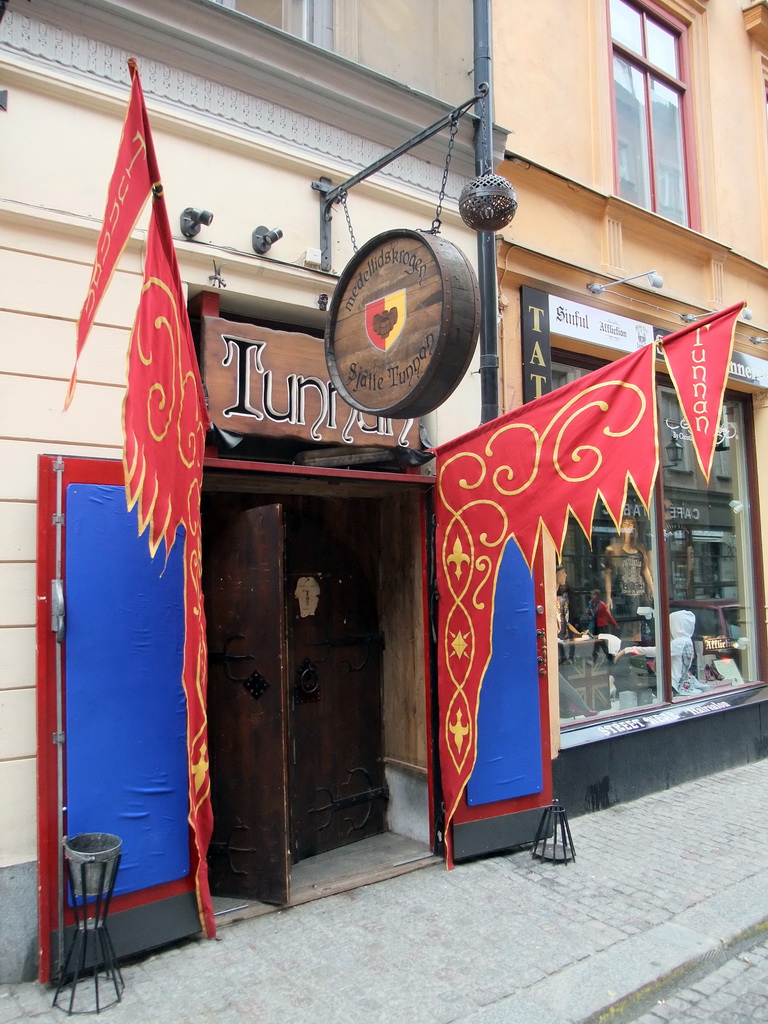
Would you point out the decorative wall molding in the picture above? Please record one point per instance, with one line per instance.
(718, 281)
(92, 60)
(756, 23)
(614, 235)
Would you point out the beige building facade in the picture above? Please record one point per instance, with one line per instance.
(638, 148)
(249, 103)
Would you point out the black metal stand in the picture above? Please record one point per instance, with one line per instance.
(91, 885)
(553, 837)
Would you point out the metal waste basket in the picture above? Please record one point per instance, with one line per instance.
(92, 861)
(94, 857)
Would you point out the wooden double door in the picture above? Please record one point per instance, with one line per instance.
(294, 694)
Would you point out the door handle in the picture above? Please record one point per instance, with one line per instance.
(307, 682)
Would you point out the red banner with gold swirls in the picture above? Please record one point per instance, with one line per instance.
(507, 482)
(165, 420)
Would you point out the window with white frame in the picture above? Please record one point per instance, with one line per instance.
(307, 19)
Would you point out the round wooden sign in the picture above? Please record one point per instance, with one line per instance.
(403, 324)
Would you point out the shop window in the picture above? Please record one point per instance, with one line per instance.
(608, 589)
(649, 93)
(707, 545)
(645, 619)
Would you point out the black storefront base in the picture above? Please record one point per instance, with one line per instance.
(622, 759)
(490, 835)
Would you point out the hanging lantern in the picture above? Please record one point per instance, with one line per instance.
(487, 203)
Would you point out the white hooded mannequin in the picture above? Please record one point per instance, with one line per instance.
(681, 626)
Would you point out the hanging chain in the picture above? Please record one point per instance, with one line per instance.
(343, 201)
(435, 229)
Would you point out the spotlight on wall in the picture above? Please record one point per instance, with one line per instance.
(757, 340)
(654, 280)
(742, 643)
(737, 506)
(689, 318)
(263, 239)
(192, 218)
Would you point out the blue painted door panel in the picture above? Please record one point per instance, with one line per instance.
(126, 759)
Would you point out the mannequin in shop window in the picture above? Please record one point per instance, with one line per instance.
(571, 702)
(682, 625)
(567, 630)
(628, 580)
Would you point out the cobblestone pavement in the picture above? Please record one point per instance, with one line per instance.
(734, 993)
(661, 888)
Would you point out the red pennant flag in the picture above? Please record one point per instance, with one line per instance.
(699, 359)
(165, 421)
(505, 482)
(126, 196)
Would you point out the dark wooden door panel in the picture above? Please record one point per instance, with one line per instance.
(245, 609)
(337, 778)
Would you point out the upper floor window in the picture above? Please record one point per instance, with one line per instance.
(649, 96)
(425, 45)
(312, 20)
(308, 19)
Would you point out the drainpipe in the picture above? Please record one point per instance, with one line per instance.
(486, 240)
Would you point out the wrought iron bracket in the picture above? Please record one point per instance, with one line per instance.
(367, 640)
(333, 804)
(330, 193)
(255, 683)
(226, 849)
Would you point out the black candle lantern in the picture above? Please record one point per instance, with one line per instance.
(487, 203)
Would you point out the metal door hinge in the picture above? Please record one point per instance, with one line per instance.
(57, 609)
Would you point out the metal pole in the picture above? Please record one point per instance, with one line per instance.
(486, 240)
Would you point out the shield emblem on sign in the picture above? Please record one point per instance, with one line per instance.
(385, 319)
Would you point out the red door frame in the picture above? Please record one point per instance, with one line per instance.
(110, 472)
(75, 470)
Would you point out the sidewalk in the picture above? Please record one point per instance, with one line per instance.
(659, 885)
